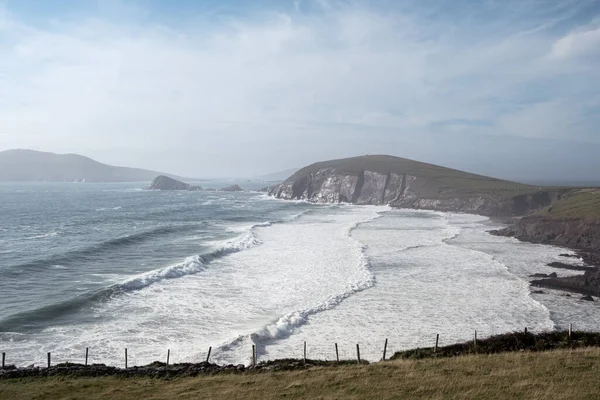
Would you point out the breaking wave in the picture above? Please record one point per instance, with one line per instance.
(192, 265)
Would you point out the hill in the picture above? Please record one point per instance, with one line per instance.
(400, 182)
(36, 166)
(277, 176)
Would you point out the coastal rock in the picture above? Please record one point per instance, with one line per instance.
(232, 188)
(402, 183)
(538, 275)
(573, 232)
(587, 298)
(163, 182)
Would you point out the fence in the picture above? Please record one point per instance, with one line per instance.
(306, 351)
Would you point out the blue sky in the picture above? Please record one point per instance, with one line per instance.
(223, 88)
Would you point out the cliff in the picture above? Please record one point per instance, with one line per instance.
(572, 221)
(162, 182)
(405, 183)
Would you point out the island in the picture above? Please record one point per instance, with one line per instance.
(163, 182)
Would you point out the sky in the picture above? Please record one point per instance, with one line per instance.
(232, 88)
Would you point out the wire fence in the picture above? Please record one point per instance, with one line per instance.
(372, 350)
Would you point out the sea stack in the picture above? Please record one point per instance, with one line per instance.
(163, 182)
(232, 188)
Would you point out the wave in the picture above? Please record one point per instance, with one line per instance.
(285, 325)
(42, 236)
(36, 319)
(97, 249)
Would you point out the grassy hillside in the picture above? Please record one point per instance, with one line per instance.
(439, 179)
(582, 203)
(36, 166)
(564, 374)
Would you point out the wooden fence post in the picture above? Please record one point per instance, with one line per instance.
(49, 359)
(168, 356)
(208, 356)
(125, 357)
(86, 356)
(525, 330)
(337, 354)
(3, 360)
(358, 353)
(475, 340)
(570, 331)
(253, 355)
(385, 349)
(437, 340)
(304, 352)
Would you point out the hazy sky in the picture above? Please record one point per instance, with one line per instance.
(226, 87)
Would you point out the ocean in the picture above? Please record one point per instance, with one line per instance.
(111, 266)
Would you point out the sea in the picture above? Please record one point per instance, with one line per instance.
(109, 267)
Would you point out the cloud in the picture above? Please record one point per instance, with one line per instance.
(252, 88)
(577, 44)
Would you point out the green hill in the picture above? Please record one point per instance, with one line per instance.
(36, 166)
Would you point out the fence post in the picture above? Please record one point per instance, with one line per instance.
(525, 330)
(570, 331)
(253, 355)
(208, 356)
(49, 362)
(385, 349)
(86, 356)
(337, 354)
(304, 352)
(475, 340)
(358, 353)
(168, 356)
(3, 360)
(125, 357)
(437, 340)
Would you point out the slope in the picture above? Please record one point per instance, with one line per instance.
(36, 166)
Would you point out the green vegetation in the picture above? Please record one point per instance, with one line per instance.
(508, 342)
(561, 374)
(582, 203)
(439, 179)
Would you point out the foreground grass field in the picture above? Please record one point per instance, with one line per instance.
(562, 374)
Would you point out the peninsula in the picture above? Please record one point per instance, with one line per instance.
(561, 216)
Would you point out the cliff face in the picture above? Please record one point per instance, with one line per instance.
(573, 232)
(329, 185)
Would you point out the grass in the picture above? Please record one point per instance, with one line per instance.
(439, 178)
(561, 374)
(583, 203)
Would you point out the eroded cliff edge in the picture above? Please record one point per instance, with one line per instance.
(568, 217)
(387, 180)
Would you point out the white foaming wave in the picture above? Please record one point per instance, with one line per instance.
(190, 266)
(43, 236)
(284, 326)
(194, 264)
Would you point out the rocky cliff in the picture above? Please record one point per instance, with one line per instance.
(574, 232)
(162, 182)
(404, 183)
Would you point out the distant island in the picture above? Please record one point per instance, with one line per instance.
(561, 216)
(162, 182)
(36, 166)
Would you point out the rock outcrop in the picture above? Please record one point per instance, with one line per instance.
(404, 183)
(577, 233)
(232, 188)
(163, 182)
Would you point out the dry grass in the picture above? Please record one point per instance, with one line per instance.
(564, 374)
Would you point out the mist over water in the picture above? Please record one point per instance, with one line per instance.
(110, 266)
